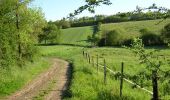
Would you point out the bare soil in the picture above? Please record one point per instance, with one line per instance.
(49, 85)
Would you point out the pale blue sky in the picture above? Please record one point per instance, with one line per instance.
(57, 9)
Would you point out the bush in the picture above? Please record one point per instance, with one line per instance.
(166, 87)
(166, 33)
(115, 37)
(128, 42)
(149, 38)
(51, 34)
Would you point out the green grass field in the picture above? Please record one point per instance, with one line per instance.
(78, 35)
(86, 83)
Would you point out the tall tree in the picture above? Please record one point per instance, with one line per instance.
(17, 30)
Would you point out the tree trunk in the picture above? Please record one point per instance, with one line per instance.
(17, 26)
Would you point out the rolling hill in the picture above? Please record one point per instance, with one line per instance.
(78, 35)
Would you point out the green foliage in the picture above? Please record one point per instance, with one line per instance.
(90, 6)
(19, 29)
(119, 17)
(149, 38)
(51, 34)
(152, 62)
(115, 37)
(150, 13)
(96, 36)
(166, 33)
(166, 87)
(65, 24)
(148, 58)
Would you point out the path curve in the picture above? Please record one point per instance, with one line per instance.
(49, 85)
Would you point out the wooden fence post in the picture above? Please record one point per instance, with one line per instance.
(155, 85)
(97, 63)
(89, 58)
(104, 71)
(121, 79)
(86, 57)
(93, 61)
(83, 54)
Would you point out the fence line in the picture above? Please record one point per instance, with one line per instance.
(129, 81)
(111, 71)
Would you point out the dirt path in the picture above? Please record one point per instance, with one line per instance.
(48, 85)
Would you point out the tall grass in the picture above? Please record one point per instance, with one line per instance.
(114, 57)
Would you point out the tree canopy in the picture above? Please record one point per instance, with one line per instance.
(19, 29)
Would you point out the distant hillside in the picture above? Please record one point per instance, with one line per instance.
(78, 36)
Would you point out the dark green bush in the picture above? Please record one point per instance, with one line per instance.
(128, 42)
(166, 87)
(166, 33)
(115, 37)
(149, 38)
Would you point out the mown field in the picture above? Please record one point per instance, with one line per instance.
(78, 35)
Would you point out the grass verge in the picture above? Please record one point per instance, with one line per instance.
(15, 78)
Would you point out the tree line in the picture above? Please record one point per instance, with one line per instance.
(119, 17)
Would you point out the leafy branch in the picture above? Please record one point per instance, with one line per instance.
(90, 6)
(166, 11)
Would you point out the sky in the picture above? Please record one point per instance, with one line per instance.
(57, 9)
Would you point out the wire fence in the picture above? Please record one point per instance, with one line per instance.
(91, 60)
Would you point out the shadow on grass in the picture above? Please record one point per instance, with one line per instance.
(76, 45)
(66, 93)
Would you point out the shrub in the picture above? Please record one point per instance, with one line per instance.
(165, 88)
(149, 38)
(115, 37)
(128, 42)
(166, 33)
